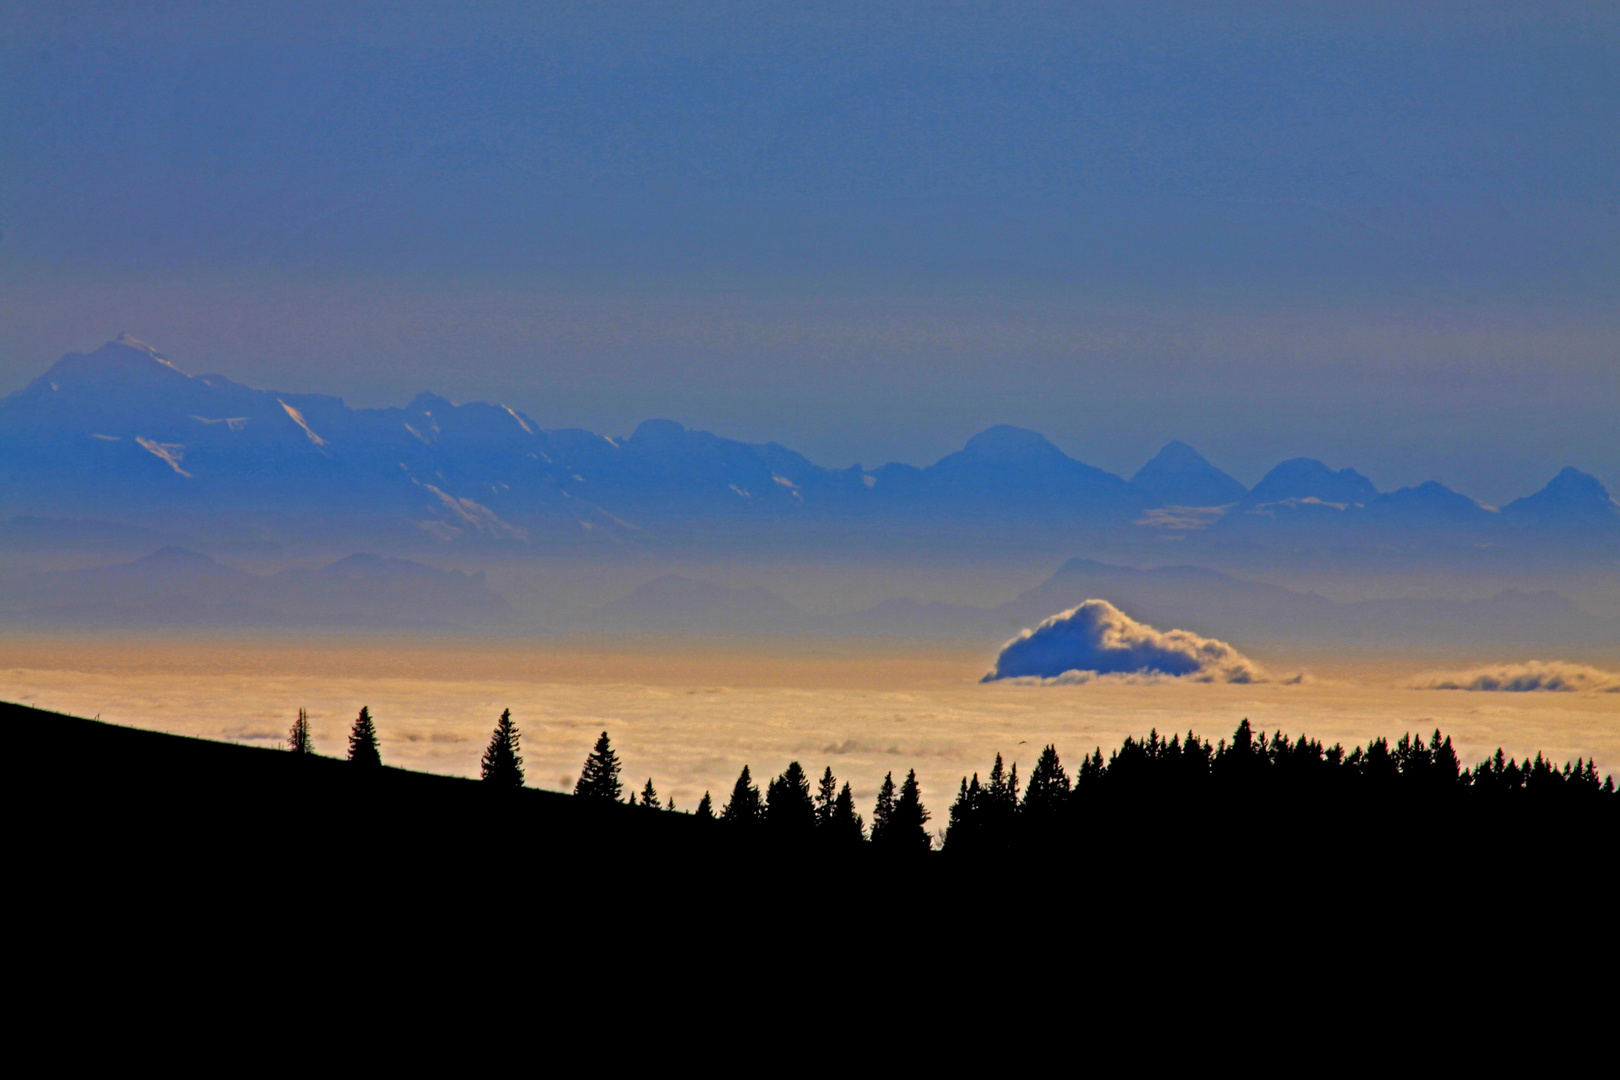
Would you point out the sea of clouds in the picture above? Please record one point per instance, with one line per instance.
(1520, 678)
(1096, 640)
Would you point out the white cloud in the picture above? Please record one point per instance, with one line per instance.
(1097, 639)
(1519, 678)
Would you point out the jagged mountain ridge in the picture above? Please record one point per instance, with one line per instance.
(122, 434)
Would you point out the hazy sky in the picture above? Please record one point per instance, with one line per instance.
(1383, 235)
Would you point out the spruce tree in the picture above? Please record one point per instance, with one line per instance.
(363, 741)
(649, 796)
(998, 803)
(907, 821)
(599, 779)
(826, 797)
(744, 807)
(705, 808)
(299, 740)
(788, 808)
(846, 825)
(1049, 785)
(962, 831)
(883, 812)
(502, 765)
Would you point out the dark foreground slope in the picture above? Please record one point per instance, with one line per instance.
(186, 833)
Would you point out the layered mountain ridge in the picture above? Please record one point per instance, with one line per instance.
(123, 435)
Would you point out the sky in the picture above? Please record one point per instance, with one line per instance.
(1384, 235)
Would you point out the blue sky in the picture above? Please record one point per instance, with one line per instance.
(1383, 235)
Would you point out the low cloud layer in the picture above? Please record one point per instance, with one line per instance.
(1519, 678)
(1097, 639)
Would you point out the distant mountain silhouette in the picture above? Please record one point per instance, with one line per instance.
(1572, 499)
(1178, 475)
(1307, 478)
(122, 438)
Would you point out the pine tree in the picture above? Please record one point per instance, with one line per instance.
(649, 796)
(744, 806)
(962, 831)
(826, 797)
(299, 740)
(883, 812)
(1049, 784)
(846, 826)
(599, 778)
(502, 765)
(998, 802)
(906, 831)
(363, 741)
(705, 808)
(788, 809)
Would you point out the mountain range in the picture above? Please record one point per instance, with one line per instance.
(121, 438)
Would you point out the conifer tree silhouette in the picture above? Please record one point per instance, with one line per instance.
(299, 740)
(883, 812)
(705, 808)
(788, 808)
(826, 797)
(1049, 785)
(502, 765)
(998, 801)
(743, 809)
(363, 741)
(846, 825)
(649, 796)
(906, 831)
(962, 831)
(599, 779)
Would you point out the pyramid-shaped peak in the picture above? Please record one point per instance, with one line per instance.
(1576, 486)
(121, 359)
(1178, 453)
(1178, 475)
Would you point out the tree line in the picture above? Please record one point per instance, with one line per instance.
(1286, 772)
(1002, 808)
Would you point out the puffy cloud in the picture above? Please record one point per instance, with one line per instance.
(1097, 639)
(1518, 678)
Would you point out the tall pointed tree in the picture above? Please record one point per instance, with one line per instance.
(363, 741)
(883, 812)
(962, 831)
(705, 808)
(599, 778)
(502, 765)
(788, 808)
(826, 798)
(846, 826)
(907, 831)
(299, 740)
(649, 796)
(744, 806)
(1049, 785)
